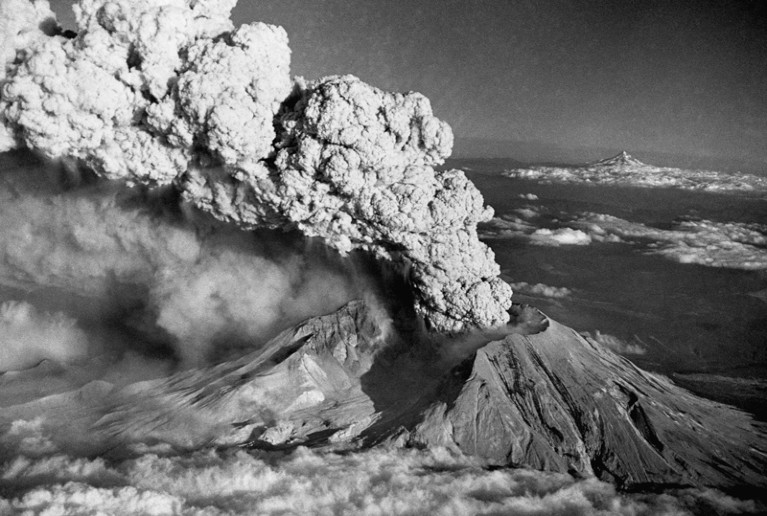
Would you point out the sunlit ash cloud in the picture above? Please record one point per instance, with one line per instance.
(171, 93)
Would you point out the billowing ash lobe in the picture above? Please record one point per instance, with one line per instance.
(159, 92)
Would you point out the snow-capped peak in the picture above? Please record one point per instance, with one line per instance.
(623, 159)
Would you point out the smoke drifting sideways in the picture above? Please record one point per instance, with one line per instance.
(29, 336)
(169, 92)
(103, 270)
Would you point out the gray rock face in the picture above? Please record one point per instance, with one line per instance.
(556, 401)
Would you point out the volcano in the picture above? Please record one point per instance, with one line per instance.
(208, 271)
(536, 394)
(621, 160)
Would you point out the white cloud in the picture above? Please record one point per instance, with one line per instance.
(540, 289)
(507, 226)
(527, 213)
(78, 499)
(375, 482)
(561, 236)
(734, 245)
(27, 439)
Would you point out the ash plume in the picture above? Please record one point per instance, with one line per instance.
(169, 92)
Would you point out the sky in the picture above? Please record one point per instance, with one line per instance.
(683, 78)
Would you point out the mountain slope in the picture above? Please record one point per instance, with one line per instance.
(557, 401)
(550, 400)
(622, 159)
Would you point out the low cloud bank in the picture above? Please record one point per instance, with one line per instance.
(561, 236)
(371, 482)
(732, 245)
(506, 226)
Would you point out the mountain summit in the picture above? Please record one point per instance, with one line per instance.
(623, 159)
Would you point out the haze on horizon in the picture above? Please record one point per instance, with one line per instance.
(656, 78)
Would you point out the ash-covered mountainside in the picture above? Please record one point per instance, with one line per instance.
(169, 92)
(539, 396)
(624, 169)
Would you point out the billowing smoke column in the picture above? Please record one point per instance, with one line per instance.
(159, 92)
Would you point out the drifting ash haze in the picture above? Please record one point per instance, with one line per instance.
(159, 360)
(147, 268)
(623, 169)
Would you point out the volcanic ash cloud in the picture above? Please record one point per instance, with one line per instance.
(115, 258)
(28, 336)
(168, 92)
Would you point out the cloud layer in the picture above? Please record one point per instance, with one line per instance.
(371, 482)
(731, 245)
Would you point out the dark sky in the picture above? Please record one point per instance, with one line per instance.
(680, 77)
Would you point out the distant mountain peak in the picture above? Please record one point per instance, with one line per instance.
(621, 159)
